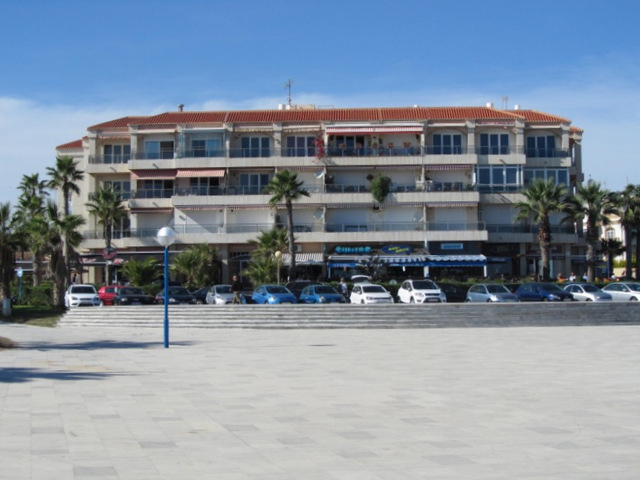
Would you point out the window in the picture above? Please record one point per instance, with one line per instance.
(255, 146)
(204, 185)
(155, 188)
(542, 146)
(447, 144)
(349, 144)
(117, 153)
(610, 234)
(253, 183)
(494, 143)
(301, 146)
(211, 147)
(558, 175)
(122, 187)
(499, 178)
(156, 150)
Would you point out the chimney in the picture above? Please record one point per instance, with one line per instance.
(489, 104)
(181, 107)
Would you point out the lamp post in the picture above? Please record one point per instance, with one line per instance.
(166, 237)
(278, 256)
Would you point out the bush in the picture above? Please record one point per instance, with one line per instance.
(40, 296)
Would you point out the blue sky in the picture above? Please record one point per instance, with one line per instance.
(70, 64)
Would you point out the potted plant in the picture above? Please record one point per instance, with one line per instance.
(380, 187)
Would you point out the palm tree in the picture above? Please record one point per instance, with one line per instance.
(65, 176)
(285, 187)
(593, 205)
(8, 246)
(611, 247)
(107, 208)
(31, 206)
(264, 266)
(198, 265)
(60, 232)
(542, 199)
(628, 209)
(142, 272)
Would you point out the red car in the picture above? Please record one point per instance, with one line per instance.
(107, 293)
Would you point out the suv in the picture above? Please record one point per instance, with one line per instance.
(370, 293)
(420, 291)
(81, 295)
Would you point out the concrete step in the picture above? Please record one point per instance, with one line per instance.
(358, 316)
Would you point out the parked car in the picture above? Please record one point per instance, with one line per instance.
(454, 293)
(542, 292)
(176, 295)
(272, 294)
(623, 291)
(420, 291)
(132, 296)
(370, 293)
(201, 295)
(299, 285)
(220, 295)
(81, 296)
(587, 292)
(320, 294)
(490, 292)
(107, 292)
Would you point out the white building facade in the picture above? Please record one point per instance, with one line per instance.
(456, 173)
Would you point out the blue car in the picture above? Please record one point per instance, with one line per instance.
(542, 292)
(272, 294)
(321, 294)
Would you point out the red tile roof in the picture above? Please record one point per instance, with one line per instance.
(123, 122)
(70, 145)
(535, 116)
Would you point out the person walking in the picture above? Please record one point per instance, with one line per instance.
(236, 289)
(344, 289)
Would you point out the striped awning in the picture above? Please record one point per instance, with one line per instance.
(152, 210)
(168, 173)
(200, 172)
(304, 259)
(443, 167)
(451, 204)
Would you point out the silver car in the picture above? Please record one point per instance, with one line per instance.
(490, 292)
(219, 295)
(623, 291)
(587, 292)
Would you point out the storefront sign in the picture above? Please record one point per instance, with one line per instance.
(396, 249)
(343, 250)
(451, 246)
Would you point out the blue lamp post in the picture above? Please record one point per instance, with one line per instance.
(166, 237)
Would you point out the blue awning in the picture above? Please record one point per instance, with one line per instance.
(341, 261)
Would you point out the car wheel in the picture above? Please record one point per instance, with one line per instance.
(633, 299)
(589, 300)
(362, 302)
(545, 299)
(488, 300)
(466, 300)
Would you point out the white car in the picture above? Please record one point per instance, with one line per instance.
(587, 292)
(81, 296)
(623, 291)
(370, 293)
(219, 295)
(420, 291)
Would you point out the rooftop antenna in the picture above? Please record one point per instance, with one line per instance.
(505, 102)
(288, 87)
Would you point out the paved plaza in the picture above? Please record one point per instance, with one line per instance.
(490, 403)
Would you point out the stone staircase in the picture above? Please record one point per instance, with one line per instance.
(449, 315)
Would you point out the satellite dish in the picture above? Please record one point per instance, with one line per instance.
(320, 174)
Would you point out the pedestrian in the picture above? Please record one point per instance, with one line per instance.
(572, 277)
(236, 289)
(343, 288)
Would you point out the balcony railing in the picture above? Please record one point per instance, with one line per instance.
(546, 153)
(533, 229)
(109, 159)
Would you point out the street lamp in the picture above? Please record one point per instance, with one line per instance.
(166, 237)
(278, 256)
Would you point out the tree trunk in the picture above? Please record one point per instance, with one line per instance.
(544, 239)
(592, 240)
(628, 252)
(292, 245)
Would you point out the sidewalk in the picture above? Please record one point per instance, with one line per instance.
(494, 404)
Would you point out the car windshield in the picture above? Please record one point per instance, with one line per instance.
(424, 285)
(497, 289)
(373, 289)
(634, 286)
(550, 287)
(83, 289)
(131, 291)
(325, 289)
(277, 289)
(223, 289)
(590, 288)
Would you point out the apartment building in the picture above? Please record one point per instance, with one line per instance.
(456, 173)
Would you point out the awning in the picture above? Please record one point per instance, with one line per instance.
(456, 260)
(155, 174)
(355, 129)
(446, 167)
(341, 261)
(303, 259)
(451, 204)
(200, 172)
